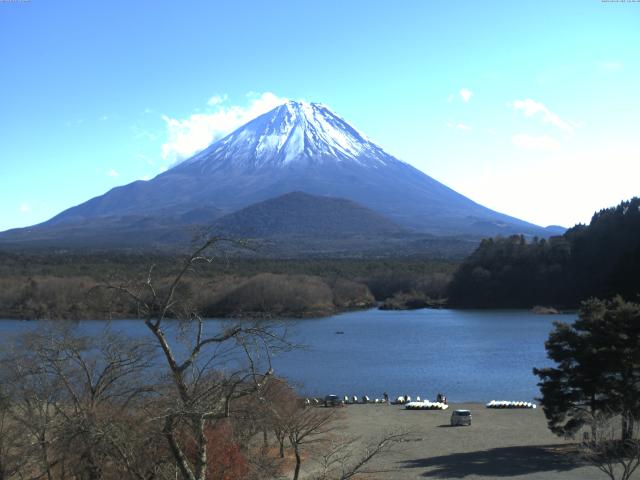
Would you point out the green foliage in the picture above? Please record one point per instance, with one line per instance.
(597, 367)
(600, 260)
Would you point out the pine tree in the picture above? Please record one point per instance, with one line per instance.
(598, 367)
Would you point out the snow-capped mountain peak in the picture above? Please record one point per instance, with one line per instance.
(296, 132)
(296, 147)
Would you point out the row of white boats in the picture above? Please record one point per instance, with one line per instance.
(417, 404)
(354, 399)
(509, 404)
(426, 405)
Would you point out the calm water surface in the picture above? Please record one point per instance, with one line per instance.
(468, 355)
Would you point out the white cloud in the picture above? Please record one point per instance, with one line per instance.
(145, 178)
(24, 208)
(188, 136)
(217, 99)
(112, 173)
(459, 126)
(531, 142)
(611, 65)
(531, 108)
(466, 94)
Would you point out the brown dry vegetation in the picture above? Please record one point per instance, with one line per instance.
(60, 286)
(262, 295)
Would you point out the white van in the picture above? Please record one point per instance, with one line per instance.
(460, 417)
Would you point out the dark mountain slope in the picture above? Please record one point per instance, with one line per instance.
(301, 214)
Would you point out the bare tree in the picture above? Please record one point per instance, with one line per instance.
(31, 396)
(344, 458)
(308, 426)
(279, 403)
(77, 401)
(207, 373)
(11, 441)
(615, 457)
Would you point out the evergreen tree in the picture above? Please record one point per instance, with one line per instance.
(598, 260)
(598, 367)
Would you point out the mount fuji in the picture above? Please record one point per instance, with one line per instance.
(296, 147)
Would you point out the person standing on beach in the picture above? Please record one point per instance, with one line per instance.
(386, 398)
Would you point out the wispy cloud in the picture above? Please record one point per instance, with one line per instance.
(611, 65)
(460, 126)
(465, 94)
(24, 208)
(112, 173)
(141, 133)
(217, 100)
(188, 136)
(532, 108)
(144, 158)
(532, 142)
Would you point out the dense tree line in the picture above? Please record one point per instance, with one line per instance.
(596, 260)
(61, 286)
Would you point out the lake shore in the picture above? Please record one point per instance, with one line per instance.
(498, 444)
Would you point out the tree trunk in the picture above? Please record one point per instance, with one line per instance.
(45, 455)
(627, 426)
(90, 470)
(296, 473)
(201, 460)
(181, 460)
(594, 424)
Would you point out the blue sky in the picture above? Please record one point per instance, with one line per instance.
(528, 107)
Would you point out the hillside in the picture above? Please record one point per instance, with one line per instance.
(304, 215)
(601, 259)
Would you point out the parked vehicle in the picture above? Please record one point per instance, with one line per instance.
(460, 417)
(332, 401)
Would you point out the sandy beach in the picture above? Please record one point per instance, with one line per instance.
(499, 444)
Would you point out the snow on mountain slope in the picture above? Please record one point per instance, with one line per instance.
(297, 132)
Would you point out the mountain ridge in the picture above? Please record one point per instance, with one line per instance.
(296, 147)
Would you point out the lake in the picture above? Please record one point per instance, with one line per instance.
(469, 355)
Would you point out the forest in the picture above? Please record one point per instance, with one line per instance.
(600, 259)
(62, 285)
(596, 260)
